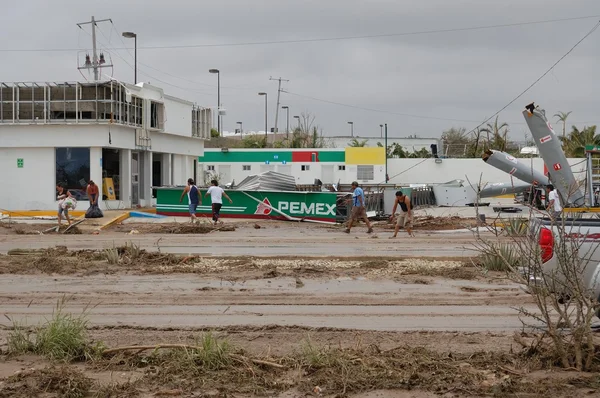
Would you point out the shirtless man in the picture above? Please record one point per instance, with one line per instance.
(404, 216)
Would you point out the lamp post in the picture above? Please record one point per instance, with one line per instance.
(218, 98)
(381, 128)
(131, 35)
(298, 118)
(351, 129)
(266, 117)
(386, 157)
(287, 128)
(241, 130)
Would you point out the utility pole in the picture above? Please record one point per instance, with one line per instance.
(278, 94)
(386, 157)
(96, 63)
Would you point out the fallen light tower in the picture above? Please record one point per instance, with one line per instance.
(559, 170)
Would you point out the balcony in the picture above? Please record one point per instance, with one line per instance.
(69, 103)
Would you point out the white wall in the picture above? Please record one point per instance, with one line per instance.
(178, 117)
(183, 168)
(79, 135)
(94, 135)
(426, 171)
(31, 188)
(410, 144)
(295, 169)
(169, 143)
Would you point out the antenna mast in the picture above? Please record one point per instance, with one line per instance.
(96, 62)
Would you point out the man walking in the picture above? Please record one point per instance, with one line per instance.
(194, 198)
(358, 208)
(405, 216)
(554, 207)
(216, 196)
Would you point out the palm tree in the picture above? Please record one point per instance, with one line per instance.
(499, 134)
(562, 117)
(356, 143)
(574, 145)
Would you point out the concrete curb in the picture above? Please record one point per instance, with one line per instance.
(38, 213)
(115, 220)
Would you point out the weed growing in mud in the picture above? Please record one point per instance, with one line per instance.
(63, 337)
(65, 382)
(19, 338)
(499, 257)
(111, 256)
(516, 227)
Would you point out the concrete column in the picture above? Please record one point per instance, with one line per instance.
(147, 178)
(166, 169)
(95, 173)
(125, 176)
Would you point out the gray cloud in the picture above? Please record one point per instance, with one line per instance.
(465, 75)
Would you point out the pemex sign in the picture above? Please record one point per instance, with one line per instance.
(319, 206)
(296, 208)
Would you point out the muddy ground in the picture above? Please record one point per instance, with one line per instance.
(421, 223)
(362, 325)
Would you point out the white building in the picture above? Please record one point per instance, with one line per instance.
(410, 144)
(344, 165)
(131, 136)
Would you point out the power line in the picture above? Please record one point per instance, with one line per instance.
(538, 79)
(322, 39)
(379, 110)
(108, 49)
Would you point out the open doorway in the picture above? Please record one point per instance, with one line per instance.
(156, 173)
(111, 174)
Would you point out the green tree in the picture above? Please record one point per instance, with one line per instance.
(456, 142)
(306, 135)
(396, 151)
(214, 133)
(499, 134)
(253, 141)
(355, 143)
(421, 153)
(574, 145)
(562, 117)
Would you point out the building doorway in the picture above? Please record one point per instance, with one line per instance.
(111, 174)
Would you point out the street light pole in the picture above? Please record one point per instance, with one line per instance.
(381, 128)
(351, 129)
(131, 35)
(298, 117)
(386, 157)
(266, 117)
(241, 130)
(287, 128)
(218, 98)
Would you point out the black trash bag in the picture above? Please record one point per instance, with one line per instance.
(94, 212)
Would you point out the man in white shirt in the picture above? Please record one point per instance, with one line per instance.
(216, 196)
(554, 207)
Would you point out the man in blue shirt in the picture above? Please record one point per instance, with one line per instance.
(194, 198)
(358, 208)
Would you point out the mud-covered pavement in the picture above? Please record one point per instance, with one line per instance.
(271, 239)
(191, 301)
(409, 317)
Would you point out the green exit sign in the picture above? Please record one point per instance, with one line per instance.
(592, 148)
(20, 163)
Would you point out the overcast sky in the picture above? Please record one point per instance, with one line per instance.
(464, 75)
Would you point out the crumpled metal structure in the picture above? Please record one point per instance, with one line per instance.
(267, 181)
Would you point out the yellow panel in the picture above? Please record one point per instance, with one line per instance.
(365, 155)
